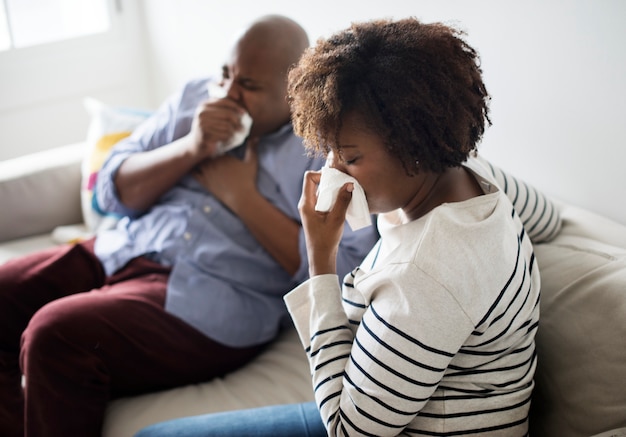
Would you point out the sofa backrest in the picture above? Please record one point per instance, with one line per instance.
(40, 191)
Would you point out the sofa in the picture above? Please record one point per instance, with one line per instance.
(581, 343)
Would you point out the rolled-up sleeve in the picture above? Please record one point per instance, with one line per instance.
(170, 122)
(107, 197)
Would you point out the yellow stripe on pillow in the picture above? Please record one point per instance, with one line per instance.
(103, 147)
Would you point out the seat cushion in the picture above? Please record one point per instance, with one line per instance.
(280, 375)
(581, 339)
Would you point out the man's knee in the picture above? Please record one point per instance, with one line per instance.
(57, 330)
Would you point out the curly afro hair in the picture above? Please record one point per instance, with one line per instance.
(418, 86)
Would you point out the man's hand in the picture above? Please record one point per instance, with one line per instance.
(144, 177)
(215, 121)
(234, 183)
(230, 180)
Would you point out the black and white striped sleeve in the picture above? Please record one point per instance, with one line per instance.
(539, 214)
(373, 383)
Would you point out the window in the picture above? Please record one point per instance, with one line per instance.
(25, 23)
(42, 86)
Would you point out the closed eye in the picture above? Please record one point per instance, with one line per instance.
(349, 154)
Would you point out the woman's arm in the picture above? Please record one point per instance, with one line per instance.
(373, 381)
(538, 213)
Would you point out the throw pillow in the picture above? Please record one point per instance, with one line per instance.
(108, 125)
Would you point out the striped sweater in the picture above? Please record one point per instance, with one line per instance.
(434, 333)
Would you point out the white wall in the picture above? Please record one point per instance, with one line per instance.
(556, 70)
(42, 87)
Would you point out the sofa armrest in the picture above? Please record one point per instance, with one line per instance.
(40, 191)
(580, 340)
(581, 222)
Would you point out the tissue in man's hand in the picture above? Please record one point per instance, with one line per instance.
(357, 215)
(238, 137)
(218, 92)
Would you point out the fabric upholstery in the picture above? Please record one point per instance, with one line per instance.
(581, 342)
(40, 191)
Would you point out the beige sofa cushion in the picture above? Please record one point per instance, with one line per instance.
(280, 375)
(581, 342)
(22, 246)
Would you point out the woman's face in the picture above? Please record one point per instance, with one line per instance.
(362, 155)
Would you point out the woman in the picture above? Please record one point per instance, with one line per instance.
(434, 333)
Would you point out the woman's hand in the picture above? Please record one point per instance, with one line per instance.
(322, 230)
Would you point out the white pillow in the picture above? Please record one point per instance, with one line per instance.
(108, 125)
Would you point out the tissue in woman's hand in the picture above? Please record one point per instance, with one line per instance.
(357, 215)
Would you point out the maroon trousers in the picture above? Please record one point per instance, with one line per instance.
(81, 338)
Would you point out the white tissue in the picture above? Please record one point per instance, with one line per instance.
(217, 92)
(357, 215)
(238, 137)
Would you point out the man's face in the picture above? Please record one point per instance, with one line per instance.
(255, 78)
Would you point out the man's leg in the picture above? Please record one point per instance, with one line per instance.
(81, 351)
(27, 284)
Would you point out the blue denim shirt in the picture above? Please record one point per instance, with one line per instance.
(222, 282)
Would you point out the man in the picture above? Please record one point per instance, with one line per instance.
(189, 285)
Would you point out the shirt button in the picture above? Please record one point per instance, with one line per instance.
(207, 209)
(187, 236)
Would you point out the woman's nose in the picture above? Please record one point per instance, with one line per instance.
(333, 161)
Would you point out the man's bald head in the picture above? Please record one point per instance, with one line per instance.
(276, 36)
(255, 76)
